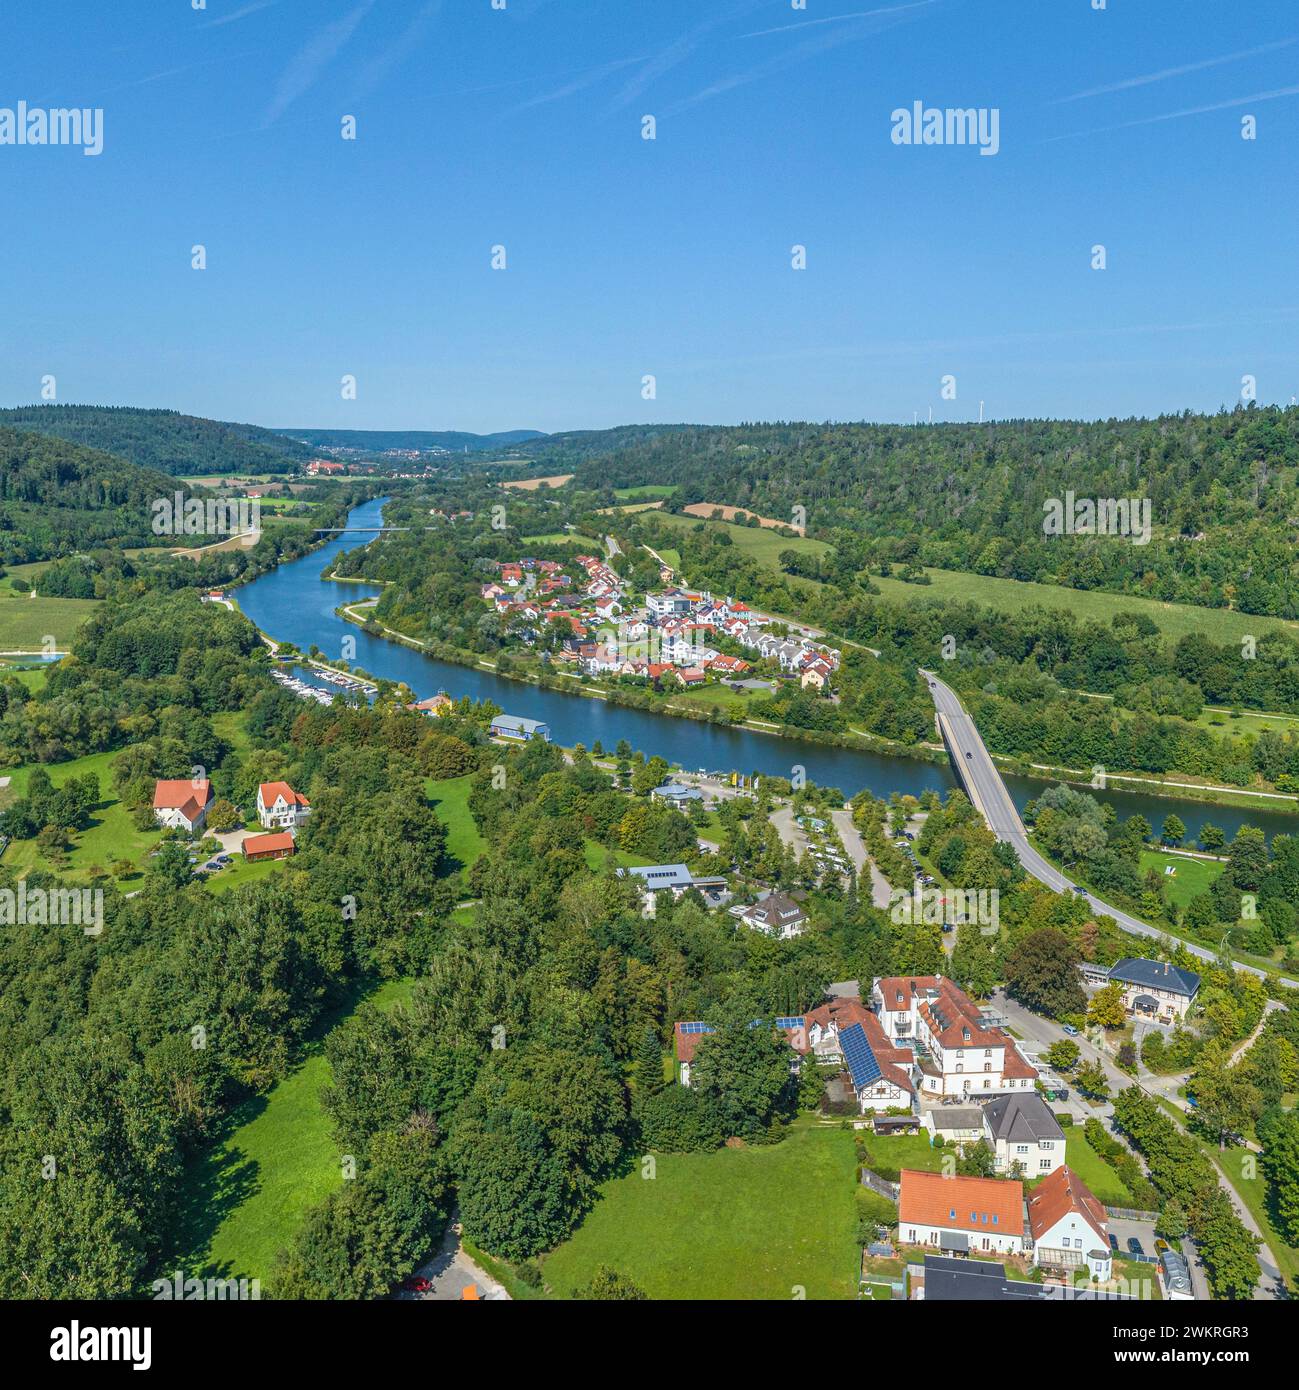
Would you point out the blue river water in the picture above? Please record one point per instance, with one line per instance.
(293, 603)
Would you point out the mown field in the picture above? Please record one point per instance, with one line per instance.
(450, 798)
(1190, 877)
(763, 544)
(250, 1192)
(26, 622)
(751, 1223)
(634, 494)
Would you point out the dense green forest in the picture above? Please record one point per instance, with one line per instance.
(58, 498)
(164, 440)
(378, 440)
(1224, 507)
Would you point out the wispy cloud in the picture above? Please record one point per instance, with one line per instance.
(410, 38)
(677, 52)
(1165, 73)
(578, 84)
(838, 18)
(867, 24)
(237, 15)
(1275, 95)
(312, 59)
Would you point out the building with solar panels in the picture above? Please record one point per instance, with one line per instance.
(878, 1083)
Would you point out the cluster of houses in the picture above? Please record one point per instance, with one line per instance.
(183, 804)
(669, 640)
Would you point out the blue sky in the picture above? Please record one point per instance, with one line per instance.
(626, 257)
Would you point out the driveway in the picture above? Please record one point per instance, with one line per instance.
(861, 860)
(451, 1272)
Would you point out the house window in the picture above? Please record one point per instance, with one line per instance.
(1044, 1163)
(1021, 1148)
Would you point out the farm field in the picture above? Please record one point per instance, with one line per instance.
(532, 484)
(26, 622)
(556, 538)
(751, 1223)
(729, 513)
(250, 1191)
(1012, 595)
(1190, 877)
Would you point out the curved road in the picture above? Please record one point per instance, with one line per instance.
(988, 794)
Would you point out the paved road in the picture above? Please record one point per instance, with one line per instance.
(1042, 1030)
(861, 860)
(985, 788)
(451, 1271)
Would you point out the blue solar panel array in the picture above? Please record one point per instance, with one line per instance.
(696, 1027)
(862, 1066)
(793, 1021)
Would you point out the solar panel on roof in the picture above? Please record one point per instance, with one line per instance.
(792, 1021)
(696, 1028)
(862, 1066)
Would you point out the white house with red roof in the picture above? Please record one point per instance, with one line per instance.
(957, 1051)
(182, 803)
(1068, 1225)
(279, 807)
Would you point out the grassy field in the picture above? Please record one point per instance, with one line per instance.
(764, 545)
(753, 1223)
(1236, 722)
(239, 872)
(1236, 1163)
(1190, 877)
(249, 1193)
(900, 1151)
(596, 854)
(1104, 1182)
(450, 799)
(633, 494)
(26, 622)
(556, 538)
(1011, 595)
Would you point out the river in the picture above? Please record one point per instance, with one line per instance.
(294, 604)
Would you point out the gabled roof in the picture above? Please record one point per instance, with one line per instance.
(271, 791)
(1059, 1194)
(181, 794)
(961, 1204)
(268, 844)
(1155, 974)
(1021, 1119)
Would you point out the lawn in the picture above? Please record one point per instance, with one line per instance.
(1190, 877)
(632, 494)
(248, 1194)
(557, 538)
(751, 1223)
(1253, 1191)
(450, 799)
(763, 544)
(900, 1151)
(112, 834)
(239, 872)
(1011, 595)
(596, 854)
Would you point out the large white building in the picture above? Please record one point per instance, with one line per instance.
(279, 807)
(957, 1052)
(1068, 1225)
(962, 1215)
(1023, 1133)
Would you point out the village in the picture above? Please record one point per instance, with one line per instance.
(673, 639)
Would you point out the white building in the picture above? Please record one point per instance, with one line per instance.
(1024, 1134)
(279, 807)
(962, 1215)
(182, 804)
(1068, 1225)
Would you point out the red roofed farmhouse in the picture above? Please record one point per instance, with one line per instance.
(182, 803)
(280, 807)
(277, 846)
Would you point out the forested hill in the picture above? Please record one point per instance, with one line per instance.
(1222, 492)
(164, 439)
(58, 498)
(378, 440)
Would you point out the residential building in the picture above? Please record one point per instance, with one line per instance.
(958, 1052)
(815, 676)
(1154, 989)
(686, 1037)
(279, 807)
(436, 705)
(277, 846)
(777, 914)
(1068, 1225)
(513, 726)
(877, 1082)
(182, 804)
(961, 1215)
(1024, 1134)
(948, 1280)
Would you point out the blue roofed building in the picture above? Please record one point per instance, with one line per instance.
(1154, 989)
(514, 726)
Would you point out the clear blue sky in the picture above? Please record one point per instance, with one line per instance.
(523, 127)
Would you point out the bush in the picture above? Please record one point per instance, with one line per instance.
(1063, 1118)
(679, 1120)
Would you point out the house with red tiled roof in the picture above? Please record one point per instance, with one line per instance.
(962, 1215)
(181, 803)
(959, 1052)
(280, 807)
(277, 846)
(1068, 1225)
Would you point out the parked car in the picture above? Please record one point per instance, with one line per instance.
(1134, 1246)
(1114, 1242)
(947, 926)
(1070, 1029)
(417, 1284)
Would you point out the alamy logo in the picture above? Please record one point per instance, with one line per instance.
(53, 907)
(179, 1288)
(1101, 516)
(77, 1343)
(919, 124)
(24, 125)
(179, 515)
(959, 906)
